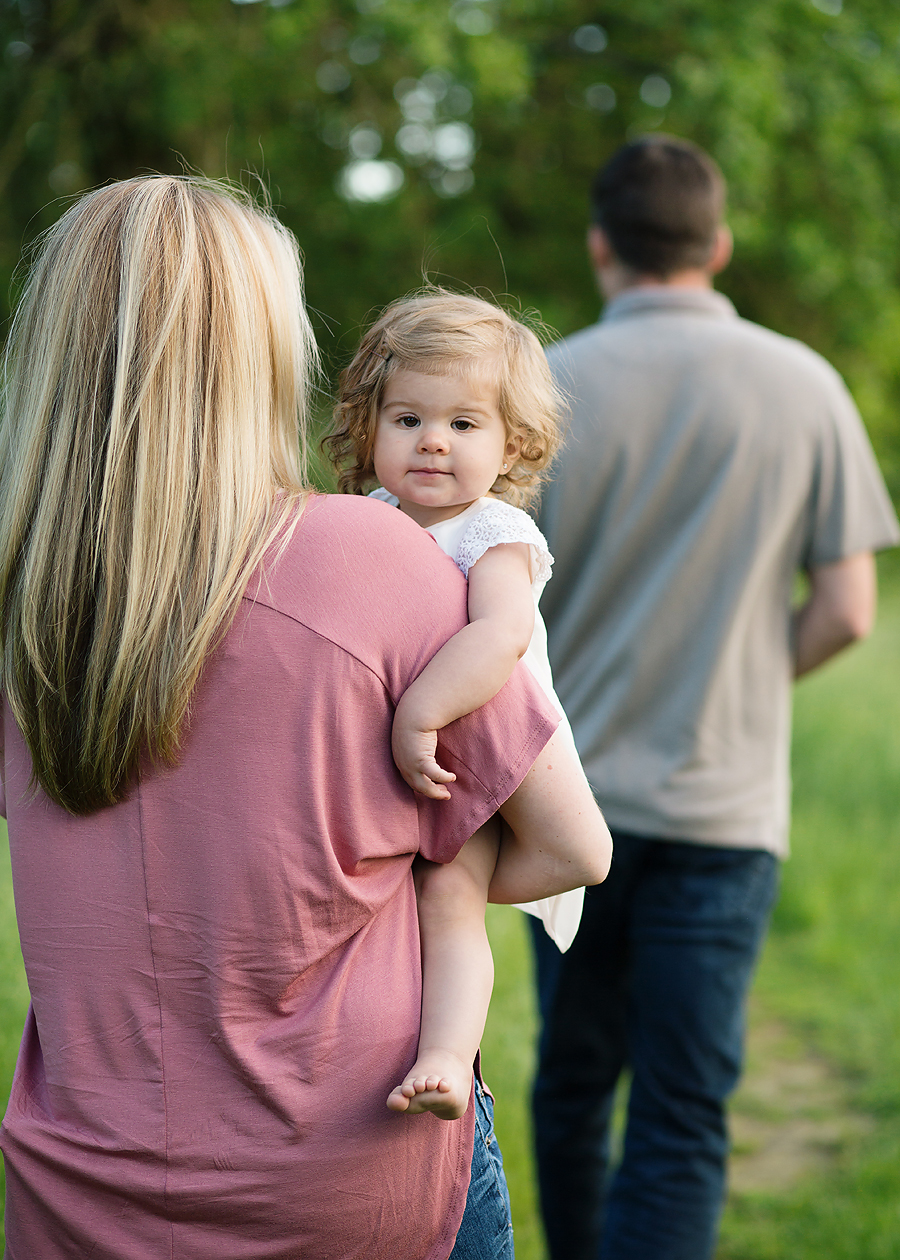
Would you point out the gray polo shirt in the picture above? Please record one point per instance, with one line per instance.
(708, 460)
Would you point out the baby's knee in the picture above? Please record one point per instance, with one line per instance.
(449, 887)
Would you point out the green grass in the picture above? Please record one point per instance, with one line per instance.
(830, 972)
(13, 989)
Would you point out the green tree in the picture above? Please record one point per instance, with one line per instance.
(400, 137)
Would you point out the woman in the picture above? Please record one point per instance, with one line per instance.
(211, 848)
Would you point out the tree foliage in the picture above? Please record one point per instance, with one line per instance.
(494, 114)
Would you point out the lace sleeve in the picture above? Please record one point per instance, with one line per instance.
(499, 523)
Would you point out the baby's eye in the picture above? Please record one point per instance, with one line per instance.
(408, 422)
(462, 426)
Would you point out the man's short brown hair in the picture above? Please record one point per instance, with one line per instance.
(659, 200)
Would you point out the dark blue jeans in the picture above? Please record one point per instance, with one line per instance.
(486, 1231)
(655, 982)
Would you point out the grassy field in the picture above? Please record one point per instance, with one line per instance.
(826, 1009)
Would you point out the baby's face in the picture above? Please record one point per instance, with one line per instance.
(440, 443)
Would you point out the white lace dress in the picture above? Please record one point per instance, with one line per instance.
(465, 538)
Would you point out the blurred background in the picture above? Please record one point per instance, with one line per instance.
(401, 137)
(405, 139)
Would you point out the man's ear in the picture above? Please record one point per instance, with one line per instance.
(599, 249)
(721, 251)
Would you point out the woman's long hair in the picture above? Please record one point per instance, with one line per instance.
(156, 385)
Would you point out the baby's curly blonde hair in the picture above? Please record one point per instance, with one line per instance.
(440, 332)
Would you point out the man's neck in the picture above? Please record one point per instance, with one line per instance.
(616, 279)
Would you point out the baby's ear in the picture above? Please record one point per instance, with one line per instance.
(513, 449)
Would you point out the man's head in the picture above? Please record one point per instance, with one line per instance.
(657, 209)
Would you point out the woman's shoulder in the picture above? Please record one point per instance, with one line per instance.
(349, 554)
(365, 578)
(328, 518)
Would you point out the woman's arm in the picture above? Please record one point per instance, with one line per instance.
(556, 837)
(470, 668)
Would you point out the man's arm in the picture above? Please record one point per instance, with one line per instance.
(839, 611)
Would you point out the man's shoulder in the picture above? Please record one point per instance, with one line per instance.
(774, 346)
(735, 344)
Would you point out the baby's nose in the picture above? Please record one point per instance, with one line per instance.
(433, 439)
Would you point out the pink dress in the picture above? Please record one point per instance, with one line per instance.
(224, 968)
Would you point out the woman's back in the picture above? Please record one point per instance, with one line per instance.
(225, 966)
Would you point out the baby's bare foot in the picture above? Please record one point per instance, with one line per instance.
(437, 1082)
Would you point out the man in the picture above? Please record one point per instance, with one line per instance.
(709, 460)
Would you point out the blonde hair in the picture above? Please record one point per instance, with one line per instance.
(156, 387)
(437, 332)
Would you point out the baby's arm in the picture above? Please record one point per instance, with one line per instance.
(457, 978)
(470, 668)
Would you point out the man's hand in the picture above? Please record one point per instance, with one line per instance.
(840, 610)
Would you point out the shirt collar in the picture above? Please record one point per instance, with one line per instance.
(651, 299)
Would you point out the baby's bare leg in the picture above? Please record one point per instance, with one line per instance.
(457, 978)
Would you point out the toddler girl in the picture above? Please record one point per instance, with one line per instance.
(450, 405)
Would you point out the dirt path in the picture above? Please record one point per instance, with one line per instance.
(791, 1115)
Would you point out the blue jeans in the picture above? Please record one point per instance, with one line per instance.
(655, 982)
(486, 1231)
